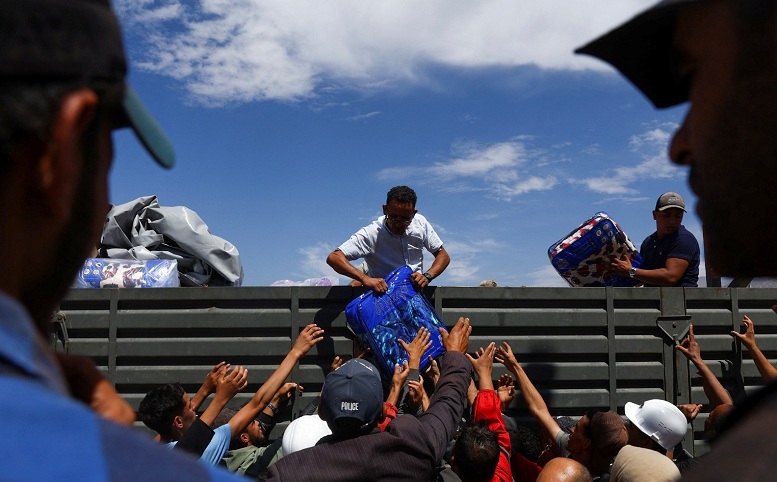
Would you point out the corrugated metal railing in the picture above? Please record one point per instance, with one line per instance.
(583, 348)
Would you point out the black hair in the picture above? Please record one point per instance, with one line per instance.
(401, 194)
(27, 110)
(160, 406)
(476, 452)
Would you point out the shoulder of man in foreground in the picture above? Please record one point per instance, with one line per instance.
(82, 446)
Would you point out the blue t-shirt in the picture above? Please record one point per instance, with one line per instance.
(218, 446)
(680, 244)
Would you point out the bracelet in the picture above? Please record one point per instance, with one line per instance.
(273, 408)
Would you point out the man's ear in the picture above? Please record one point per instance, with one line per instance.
(57, 173)
(243, 438)
(384, 209)
(178, 421)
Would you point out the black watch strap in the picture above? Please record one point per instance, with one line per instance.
(429, 277)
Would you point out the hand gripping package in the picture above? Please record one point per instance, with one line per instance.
(378, 320)
(583, 257)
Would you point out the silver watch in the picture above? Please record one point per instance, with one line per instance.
(632, 272)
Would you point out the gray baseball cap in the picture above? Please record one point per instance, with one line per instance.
(79, 41)
(641, 49)
(670, 200)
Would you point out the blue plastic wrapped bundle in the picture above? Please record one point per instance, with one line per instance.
(378, 320)
(128, 273)
(583, 257)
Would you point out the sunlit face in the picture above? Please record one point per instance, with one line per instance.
(577, 439)
(398, 216)
(728, 137)
(668, 221)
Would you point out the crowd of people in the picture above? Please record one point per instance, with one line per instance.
(451, 421)
(63, 69)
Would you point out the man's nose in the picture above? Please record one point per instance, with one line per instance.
(680, 148)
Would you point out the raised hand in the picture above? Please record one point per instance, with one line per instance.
(416, 348)
(505, 390)
(232, 383)
(748, 337)
(416, 395)
(690, 348)
(484, 365)
(309, 336)
(432, 370)
(400, 375)
(504, 355)
(690, 410)
(458, 338)
(213, 376)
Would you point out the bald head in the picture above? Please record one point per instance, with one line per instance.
(562, 469)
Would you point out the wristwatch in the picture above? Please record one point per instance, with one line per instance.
(632, 272)
(429, 277)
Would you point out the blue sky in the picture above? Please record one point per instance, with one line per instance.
(292, 119)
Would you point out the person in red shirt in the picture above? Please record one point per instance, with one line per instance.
(482, 450)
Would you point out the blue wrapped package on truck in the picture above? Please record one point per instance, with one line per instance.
(379, 320)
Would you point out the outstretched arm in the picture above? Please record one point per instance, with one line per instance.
(765, 368)
(534, 401)
(309, 336)
(714, 390)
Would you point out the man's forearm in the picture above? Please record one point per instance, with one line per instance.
(714, 390)
(441, 261)
(341, 265)
(765, 368)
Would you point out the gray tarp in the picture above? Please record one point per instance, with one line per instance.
(143, 230)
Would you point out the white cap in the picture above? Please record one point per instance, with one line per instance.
(660, 420)
(303, 433)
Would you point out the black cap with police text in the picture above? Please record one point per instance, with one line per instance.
(670, 200)
(641, 49)
(352, 397)
(78, 41)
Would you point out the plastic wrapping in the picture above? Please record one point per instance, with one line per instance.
(128, 273)
(378, 320)
(583, 257)
(325, 281)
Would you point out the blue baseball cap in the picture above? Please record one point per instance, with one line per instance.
(352, 397)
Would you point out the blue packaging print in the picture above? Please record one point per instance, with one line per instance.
(379, 321)
(128, 273)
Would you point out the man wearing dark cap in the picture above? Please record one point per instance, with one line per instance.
(721, 56)
(670, 256)
(409, 448)
(62, 69)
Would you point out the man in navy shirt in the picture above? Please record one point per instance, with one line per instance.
(670, 255)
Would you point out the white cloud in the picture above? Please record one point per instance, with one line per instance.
(503, 170)
(464, 268)
(651, 146)
(362, 117)
(547, 276)
(313, 262)
(227, 51)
